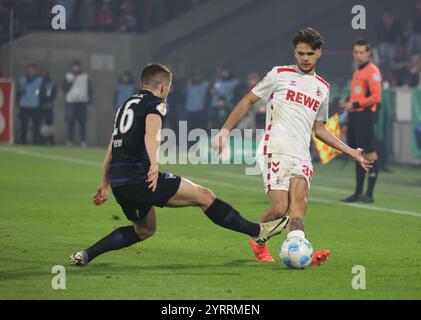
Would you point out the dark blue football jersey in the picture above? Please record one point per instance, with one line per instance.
(130, 161)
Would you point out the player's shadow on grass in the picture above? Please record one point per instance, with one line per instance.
(171, 269)
(244, 265)
(114, 269)
(22, 274)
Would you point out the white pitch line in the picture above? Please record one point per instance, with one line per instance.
(257, 178)
(222, 184)
(369, 207)
(51, 157)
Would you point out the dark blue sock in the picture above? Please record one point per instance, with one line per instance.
(222, 214)
(120, 238)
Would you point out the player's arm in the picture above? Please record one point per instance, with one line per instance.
(330, 139)
(102, 192)
(236, 115)
(240, 110)
(152, 143)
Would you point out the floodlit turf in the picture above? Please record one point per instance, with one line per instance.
(46, 214)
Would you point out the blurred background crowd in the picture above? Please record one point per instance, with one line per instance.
(397, 47)
(203, 99)
(203, 102)
(93, 15)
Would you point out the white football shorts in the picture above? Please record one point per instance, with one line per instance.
(278, 169)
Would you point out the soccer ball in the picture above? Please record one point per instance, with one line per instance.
(296, 253)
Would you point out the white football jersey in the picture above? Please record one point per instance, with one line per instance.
(295, 100)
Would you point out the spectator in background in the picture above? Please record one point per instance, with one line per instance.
(400, 68)
(79, 18)
(389, 36)
(28, 95)
(249, 120)
(196, 100)
(126, 87)
(414, 71)
(47, 98)
(104, 19)
(224, 86)
(24, 14)
(144, 8)
(176, 99)
(78, 95)
(219, 114)
(127, 19)
(44, 14)
(414, 41)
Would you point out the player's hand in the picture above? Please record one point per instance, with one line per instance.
(357, 155)
(220, 141)
(153, 177)
(101, 195)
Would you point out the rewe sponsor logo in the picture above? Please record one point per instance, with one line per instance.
(303, 99)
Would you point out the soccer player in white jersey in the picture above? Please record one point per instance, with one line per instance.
(297, 105)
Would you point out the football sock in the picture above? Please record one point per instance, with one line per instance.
(372, 178)
(222, 214)
(120, 238)
(360, 176)
(296, 233)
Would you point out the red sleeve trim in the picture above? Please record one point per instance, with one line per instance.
(323, 81)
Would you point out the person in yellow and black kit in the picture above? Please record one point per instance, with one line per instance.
(365, 95)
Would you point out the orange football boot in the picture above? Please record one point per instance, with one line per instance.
(320, 257)
(261, 251)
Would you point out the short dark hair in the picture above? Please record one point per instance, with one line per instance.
(362, 42)
(309, 36)
(155, 74)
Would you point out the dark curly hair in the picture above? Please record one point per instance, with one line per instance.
(309, 36)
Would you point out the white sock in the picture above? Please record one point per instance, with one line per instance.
(296, 233)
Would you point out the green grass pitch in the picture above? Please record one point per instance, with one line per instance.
(46, 214)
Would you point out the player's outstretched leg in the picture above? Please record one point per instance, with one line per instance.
(221, 213)
(298, 207)
(120, 238)
(279, 203)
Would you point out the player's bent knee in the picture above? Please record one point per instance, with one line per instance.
(278, 211)
(206, 197)
(145, 233)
